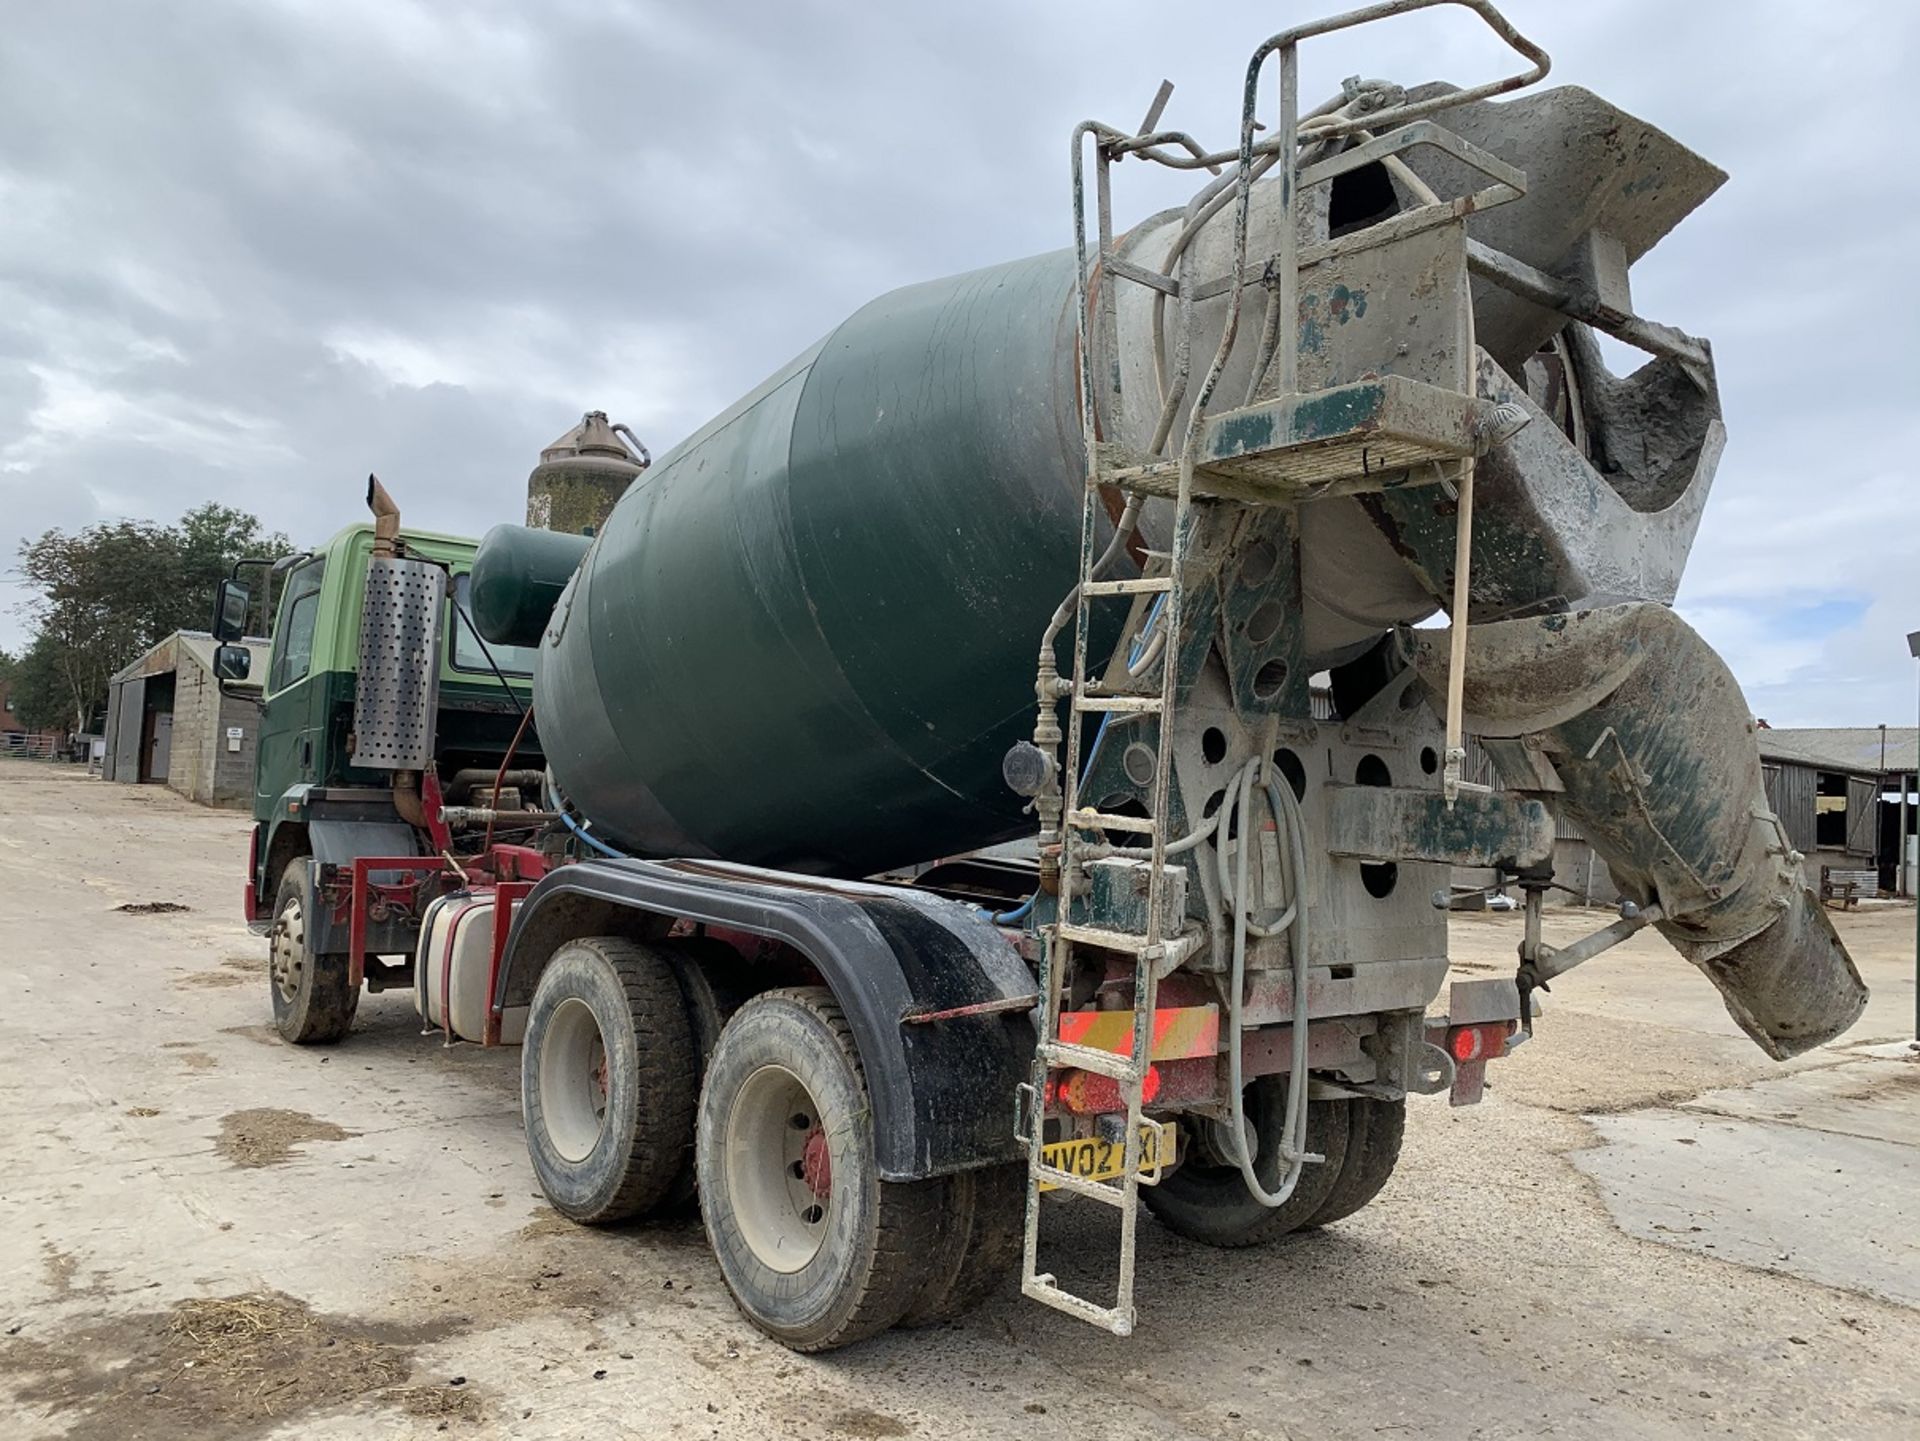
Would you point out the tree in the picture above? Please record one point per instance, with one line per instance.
(108, 592)
(42, 698)
(211, 538)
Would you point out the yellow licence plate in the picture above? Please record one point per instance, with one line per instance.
(1092, 1159)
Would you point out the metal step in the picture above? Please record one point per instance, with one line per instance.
(1118, 1320)
(1102, 1191)
(1371, 435)
(1065, 1055)
(1111, 940)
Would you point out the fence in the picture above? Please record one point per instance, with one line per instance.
(33, 747)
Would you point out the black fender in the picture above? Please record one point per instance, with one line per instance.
(940, 1003)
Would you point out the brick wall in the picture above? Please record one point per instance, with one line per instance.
(202, 768)
(231, 780)
(193, 705)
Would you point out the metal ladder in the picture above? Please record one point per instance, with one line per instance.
(1288, 467)
(1150, 951)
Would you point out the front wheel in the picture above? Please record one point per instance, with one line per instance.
(313, 997)
(817, 1250)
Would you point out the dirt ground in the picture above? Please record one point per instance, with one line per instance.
(1647, 1230)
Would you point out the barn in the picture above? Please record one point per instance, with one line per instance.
(1846, 797)
(169, 722)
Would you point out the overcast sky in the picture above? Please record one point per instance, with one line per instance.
(252, 249)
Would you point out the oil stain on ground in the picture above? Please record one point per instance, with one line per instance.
(865, 1425)
(212, 979)
(266, 1137)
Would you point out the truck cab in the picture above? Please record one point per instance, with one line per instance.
(315, 810)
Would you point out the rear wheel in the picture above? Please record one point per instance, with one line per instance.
(817, 1250)
(1206, 1199)
(712, 984)
(1375, 1130)
(313, 999)
(978, 1245)
(607, 1080)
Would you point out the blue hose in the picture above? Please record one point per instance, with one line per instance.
(1018, 914)
(594, 841)
(1134, 653)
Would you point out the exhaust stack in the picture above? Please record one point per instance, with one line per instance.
(1641, 731)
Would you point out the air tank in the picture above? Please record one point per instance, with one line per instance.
(805, 637)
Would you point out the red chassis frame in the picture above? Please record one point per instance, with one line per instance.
(510, 872)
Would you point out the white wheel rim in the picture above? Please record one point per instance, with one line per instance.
(288, 955)
(779, 1169)
(573, 1080)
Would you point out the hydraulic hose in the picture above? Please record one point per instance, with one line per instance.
(559, 805)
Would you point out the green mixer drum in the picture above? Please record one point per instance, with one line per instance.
(806, 637)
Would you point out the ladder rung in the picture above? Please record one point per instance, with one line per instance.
(1080, 1186)
(1043, 1290)
(1152, 279)
(1065, 1055)
(1128, 704)
(1107, 821)
(1111, 940)
(1142, 585)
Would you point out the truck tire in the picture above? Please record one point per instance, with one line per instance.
(977, 1248)
(1206, 1198)
(607, 1080)
(712, 984)
(1374, 1133)
(313, 1001)
(817, 1250)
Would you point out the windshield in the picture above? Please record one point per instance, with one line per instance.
(466, 653)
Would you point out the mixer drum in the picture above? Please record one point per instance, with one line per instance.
(806, 637)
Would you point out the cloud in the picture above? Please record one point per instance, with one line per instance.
(256, 248)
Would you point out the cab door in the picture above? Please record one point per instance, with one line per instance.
(292, 710)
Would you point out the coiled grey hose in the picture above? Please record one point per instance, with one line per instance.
(1290, 833)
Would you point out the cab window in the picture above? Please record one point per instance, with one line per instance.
(464, 647)
(293, 637)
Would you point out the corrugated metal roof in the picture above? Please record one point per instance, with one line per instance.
(198, 644)
(1855, 749)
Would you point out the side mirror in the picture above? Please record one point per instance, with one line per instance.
(232, 662)
(231, 603)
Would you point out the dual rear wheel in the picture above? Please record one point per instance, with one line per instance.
(1206, 1199)
(816, 1248)
(641, 1071)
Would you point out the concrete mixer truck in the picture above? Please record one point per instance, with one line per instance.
(1126, 550)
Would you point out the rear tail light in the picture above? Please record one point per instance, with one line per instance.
(1471, 1048)
(1486, 1042)
(1087, 1094)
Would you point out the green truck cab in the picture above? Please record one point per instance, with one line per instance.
(311, 803)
